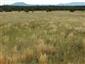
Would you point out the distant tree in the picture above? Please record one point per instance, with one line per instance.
(1, 10)
(72, 10)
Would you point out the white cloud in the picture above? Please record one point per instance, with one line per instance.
(39, 1)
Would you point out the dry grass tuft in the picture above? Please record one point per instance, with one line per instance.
(27, 55)
(50, 49)
(43, 59)
(3, 59)
(40, 46)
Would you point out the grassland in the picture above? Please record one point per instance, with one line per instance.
(56, 37)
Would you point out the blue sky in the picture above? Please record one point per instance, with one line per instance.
(39, 2)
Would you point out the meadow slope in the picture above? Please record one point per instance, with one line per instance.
(56, 37)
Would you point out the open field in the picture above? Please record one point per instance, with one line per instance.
(56, 37)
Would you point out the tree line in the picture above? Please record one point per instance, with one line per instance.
(7, 8)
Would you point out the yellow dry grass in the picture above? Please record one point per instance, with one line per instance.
(56, 37)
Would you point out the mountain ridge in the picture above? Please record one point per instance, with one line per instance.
(75, 4)
(63, 4)
(19, 4)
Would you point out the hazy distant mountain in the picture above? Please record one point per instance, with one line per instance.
(20, 4)
(66, 4)
(75, 4)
